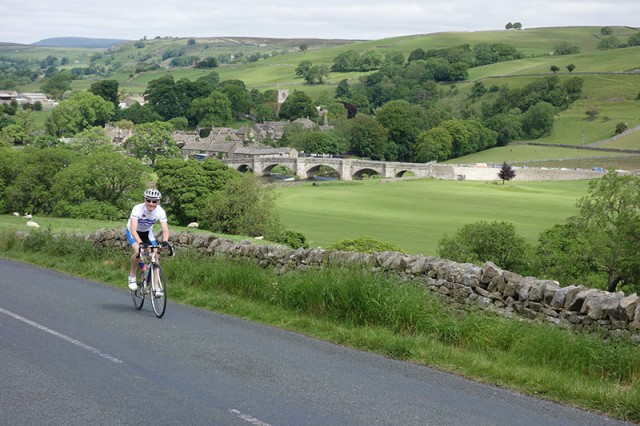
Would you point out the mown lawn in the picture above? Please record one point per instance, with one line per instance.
(416, 214)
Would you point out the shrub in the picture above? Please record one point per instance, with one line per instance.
(621, 127)
(481, 242)
(365, 244)
(293, 239)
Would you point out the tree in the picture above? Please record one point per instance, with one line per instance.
(139, 114)
(634, 40)
(571, 67)
(608, 43)
(303, 47)
(365, 137)
(185, 185)
(166, 98)
(239, 97)
(317, 73)
(403, 122)
(303, 68)
(343, 89)
(509, 26)
(57, 84)
(371, 60)
(82, 110)
(28, 177)
(564, 48)
(538, 120)
(606, 31)
(433, 145)
(554, 68)
(559, 255)
(153, 140)
(100, 186)
(417, 55)
(108, 90)
(508, 127)
(621, 127)
(90, 140)
(592, 112)
(245, 206)
(14, 134)
(322, 143)
(517, 25)
(605, 233)
(298, 105)
(209, 62)
(477, 91)
(506, 172)
(481, 242)
(346, 61)
(214, 110)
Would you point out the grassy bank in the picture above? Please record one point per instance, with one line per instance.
(376, 313)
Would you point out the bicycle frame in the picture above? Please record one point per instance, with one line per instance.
(152, 281)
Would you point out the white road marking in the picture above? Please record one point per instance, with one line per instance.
(62, 336)
(248, 418)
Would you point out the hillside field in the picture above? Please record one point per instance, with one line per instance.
(611, 77)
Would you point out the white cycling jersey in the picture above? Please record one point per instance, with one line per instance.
(146, 218)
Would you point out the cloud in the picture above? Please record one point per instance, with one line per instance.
(28, 21)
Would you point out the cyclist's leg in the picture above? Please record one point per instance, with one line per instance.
(156, 277)
(134, 261)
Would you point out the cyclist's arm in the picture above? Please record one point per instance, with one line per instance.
(134, 229)
(164, 225)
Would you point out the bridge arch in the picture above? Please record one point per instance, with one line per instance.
(366, 172)
(244, 168)
(268, 169)
(316, 169)
(404, 173)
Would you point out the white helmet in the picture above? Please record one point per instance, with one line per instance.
(152, 194)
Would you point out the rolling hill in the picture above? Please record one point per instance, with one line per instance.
(611, 77)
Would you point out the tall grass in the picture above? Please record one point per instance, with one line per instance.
(380, 313)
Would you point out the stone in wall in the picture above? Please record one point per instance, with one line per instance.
(599, 306)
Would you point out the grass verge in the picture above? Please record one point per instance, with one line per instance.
(377, 313)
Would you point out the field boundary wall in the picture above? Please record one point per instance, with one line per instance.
(465, 286)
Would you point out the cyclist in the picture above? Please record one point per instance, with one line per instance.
(140, 228)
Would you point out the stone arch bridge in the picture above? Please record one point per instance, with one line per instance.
(347, 169)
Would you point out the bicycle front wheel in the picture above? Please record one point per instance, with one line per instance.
(137, 295)
(158, 290)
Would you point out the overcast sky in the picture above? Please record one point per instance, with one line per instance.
(28, 21)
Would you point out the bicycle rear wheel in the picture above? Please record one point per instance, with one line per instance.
(137, 295)
(158, 290)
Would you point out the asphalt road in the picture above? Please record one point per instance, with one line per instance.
(76, 352)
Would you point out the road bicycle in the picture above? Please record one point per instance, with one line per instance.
(150, 278)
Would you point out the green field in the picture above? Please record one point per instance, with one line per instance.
(415, 214)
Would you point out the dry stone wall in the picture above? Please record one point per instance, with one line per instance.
(465, 285)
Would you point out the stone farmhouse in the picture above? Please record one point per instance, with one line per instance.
(226, 143)
(7, 96)
(118, 136)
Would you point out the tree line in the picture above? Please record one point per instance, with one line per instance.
(397, 113)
